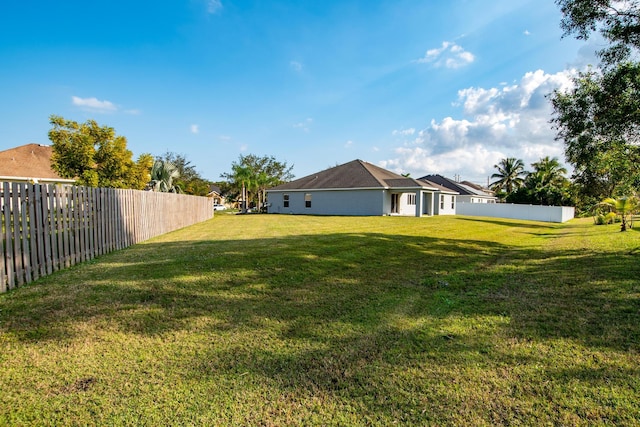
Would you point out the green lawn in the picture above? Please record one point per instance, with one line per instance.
(278, 320)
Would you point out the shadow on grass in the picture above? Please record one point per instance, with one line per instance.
(359, 279)
(356, 316)
(511, 222)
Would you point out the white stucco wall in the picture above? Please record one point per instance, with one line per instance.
(448, 207)
(513, 211)
(405, 209)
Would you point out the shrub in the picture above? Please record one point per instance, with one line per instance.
(611, 218)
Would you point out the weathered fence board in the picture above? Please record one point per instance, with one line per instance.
(3, 264)
(49, 227)
(8, 239)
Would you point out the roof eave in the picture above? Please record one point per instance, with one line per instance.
(37, 180)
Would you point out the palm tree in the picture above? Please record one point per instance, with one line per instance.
(244, 177)
(163, 173)
(624, 206)
(550, 171)
(263, 181)
(546, 179)
(510, 175)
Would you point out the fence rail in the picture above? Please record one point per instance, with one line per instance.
(48, 227)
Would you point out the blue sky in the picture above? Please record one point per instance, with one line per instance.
(418, 87)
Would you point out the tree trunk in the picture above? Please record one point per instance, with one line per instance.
(244, 199)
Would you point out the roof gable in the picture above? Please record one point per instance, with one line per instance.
(352, 175)
(214, 189)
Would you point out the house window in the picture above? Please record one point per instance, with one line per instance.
(411, 199)
(307, 200)
(453, 202)
(442, 201)
(285, 201)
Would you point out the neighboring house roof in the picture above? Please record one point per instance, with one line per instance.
(352, 175)
(478, 187)
(472, 185)
(439, 187)
(28, 162)
(213, 190)
(462, 189)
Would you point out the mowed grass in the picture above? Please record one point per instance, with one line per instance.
(279, 320)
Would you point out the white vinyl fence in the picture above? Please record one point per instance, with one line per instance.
(46, 227)
(513, 211)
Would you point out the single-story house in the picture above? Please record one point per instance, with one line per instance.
(360, 188)
(29, 163)
(216, 194)
(467, 193)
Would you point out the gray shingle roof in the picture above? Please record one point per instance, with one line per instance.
(463, 189)
(354, 174)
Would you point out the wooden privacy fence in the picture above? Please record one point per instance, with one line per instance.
(48, 227)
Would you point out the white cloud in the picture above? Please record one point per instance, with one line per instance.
(526, 33)
(94, 104)
(404, 132)
(296, 66)
(509, 121)
(449, 55)
(472, 162)
(348, 144)
(195, 129)
(214, 6)
(304, 125)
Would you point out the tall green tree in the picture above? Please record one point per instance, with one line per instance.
(93, 155)
(599, 122)
(510, 175)
(617, 21)
(599, 118)
(141, 172)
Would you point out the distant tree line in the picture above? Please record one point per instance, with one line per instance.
(545, 184)
(95, 156)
